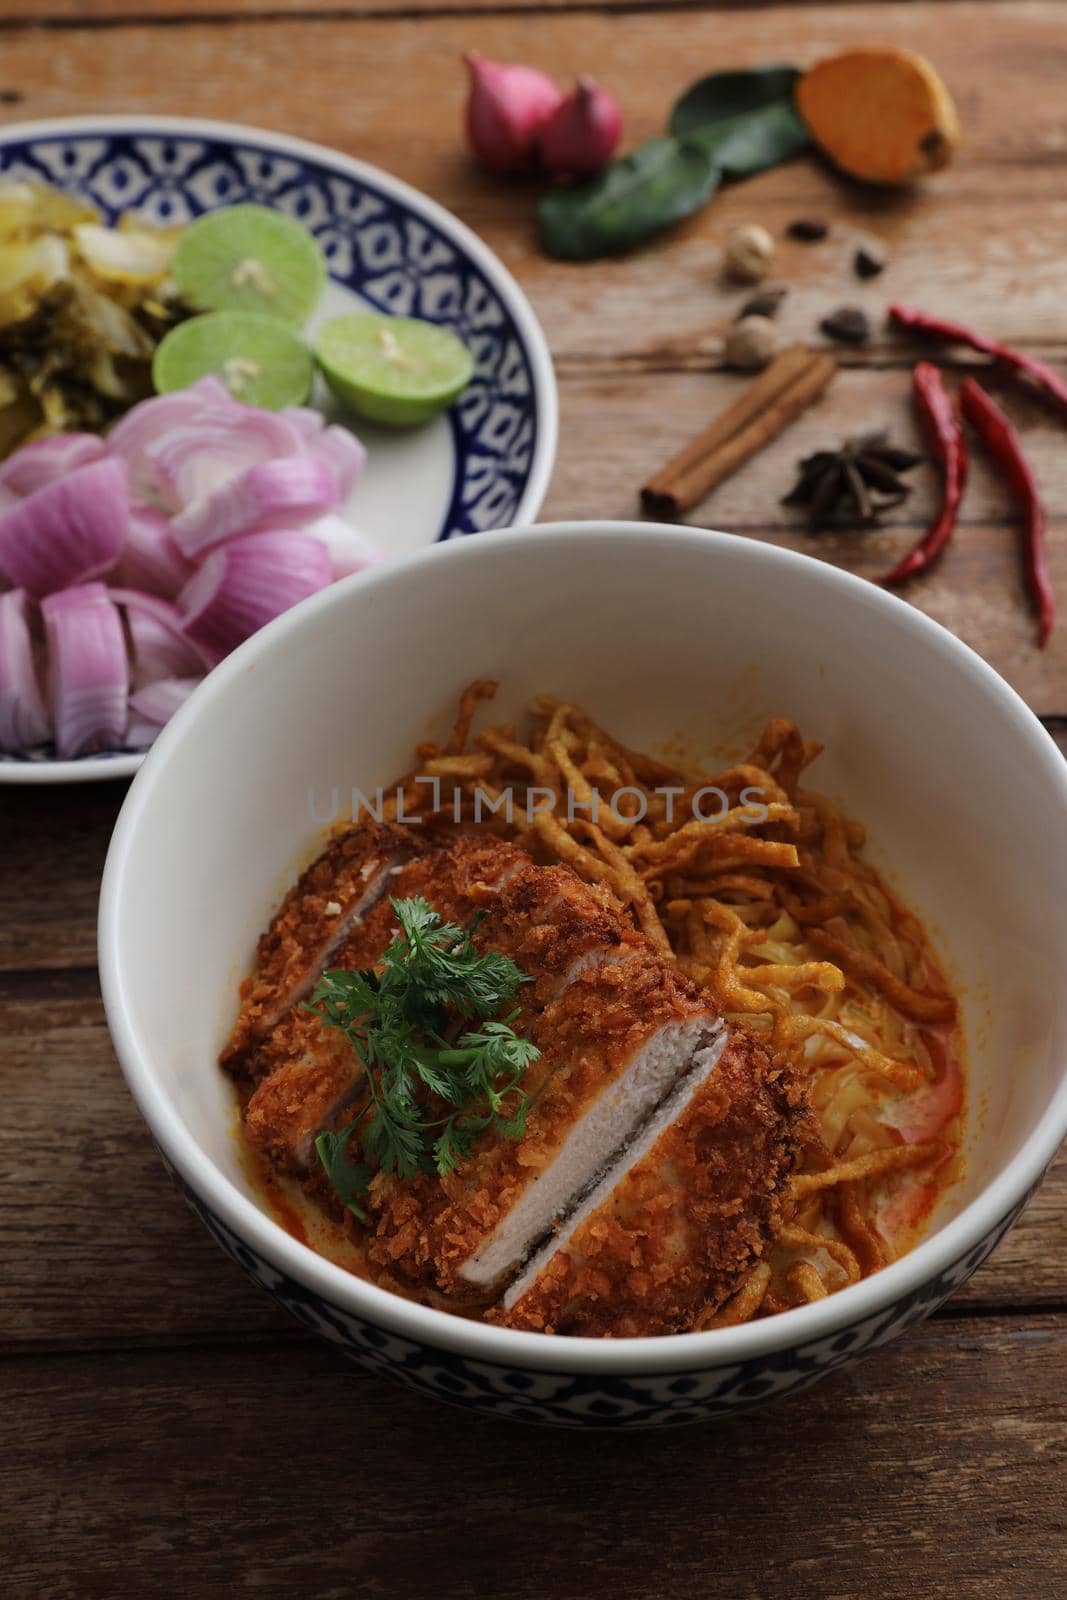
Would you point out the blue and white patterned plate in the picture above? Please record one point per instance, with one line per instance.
(486, 464)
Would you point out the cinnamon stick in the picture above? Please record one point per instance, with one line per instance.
(787, 387)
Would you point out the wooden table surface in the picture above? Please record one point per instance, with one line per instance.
(165, 1429)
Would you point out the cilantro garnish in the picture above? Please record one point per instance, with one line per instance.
(397, 1019)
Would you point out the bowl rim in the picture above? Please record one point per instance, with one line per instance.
(503, 1347)
(97, 769)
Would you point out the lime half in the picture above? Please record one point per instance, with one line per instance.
(249, 258)
(393, 369)
(262, 361)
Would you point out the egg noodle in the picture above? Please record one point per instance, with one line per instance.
(771, 910)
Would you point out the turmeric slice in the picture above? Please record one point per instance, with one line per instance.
(880, 114)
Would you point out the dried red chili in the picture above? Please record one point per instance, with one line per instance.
(1002, 442)
(945, 434)
(956, 333)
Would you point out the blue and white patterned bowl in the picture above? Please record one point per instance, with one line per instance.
(486, 464)
(658, 630)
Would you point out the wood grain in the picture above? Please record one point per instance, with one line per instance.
(93, 13)
(126, 1260)
(615, 436)
(363, 71)
(53, 842)
(285, 1471)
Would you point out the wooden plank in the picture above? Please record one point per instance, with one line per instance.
(125, 1256)
(938, 1463)
(983, 239)
(666, 307)
(99, 1249)
(52, 847)
(363, 71)
(89, 13)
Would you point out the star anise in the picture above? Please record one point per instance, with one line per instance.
(850, 487)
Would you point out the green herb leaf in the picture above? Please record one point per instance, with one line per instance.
(747, 120)
(728, 125)
(455, 1142)
(722, 96)
(443, 967)
(756, 141)
(396, 1020)
(349, 1178)
(658, 183)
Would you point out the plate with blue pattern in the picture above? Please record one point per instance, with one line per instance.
(485, 463)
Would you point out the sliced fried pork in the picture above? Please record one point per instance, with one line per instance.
(545, 918)
(553, 926)
(330, 900)
(656, 1140)
(306, 1074)
(612, 1045)
(292, 1105)
(675, 1225)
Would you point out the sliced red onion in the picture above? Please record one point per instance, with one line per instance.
(68, 532)
(150, 559)
(246, 582)
(87, 665)
(338, 447)
(194, 459)
(344, 455)
(43, 461)
(149, 619)
(308, 422)
(24, 718)
(158, 649)
(140, 734)
(272, 495)
(350, 550)
(156, 605)
(159, 701)
(143, 424)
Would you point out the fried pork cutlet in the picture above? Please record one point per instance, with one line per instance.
(673, 1227)
(612, 1045)
(306, 1076)
(309, 1091)
(656, 1140)
(331, 899)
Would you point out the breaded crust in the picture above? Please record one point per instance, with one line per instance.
(547, 919)
(349, 871)
(683, 1226)
(291, 1106)
(429, 1227)
(299, 1058)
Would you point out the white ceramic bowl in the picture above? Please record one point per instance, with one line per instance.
(657, 630)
